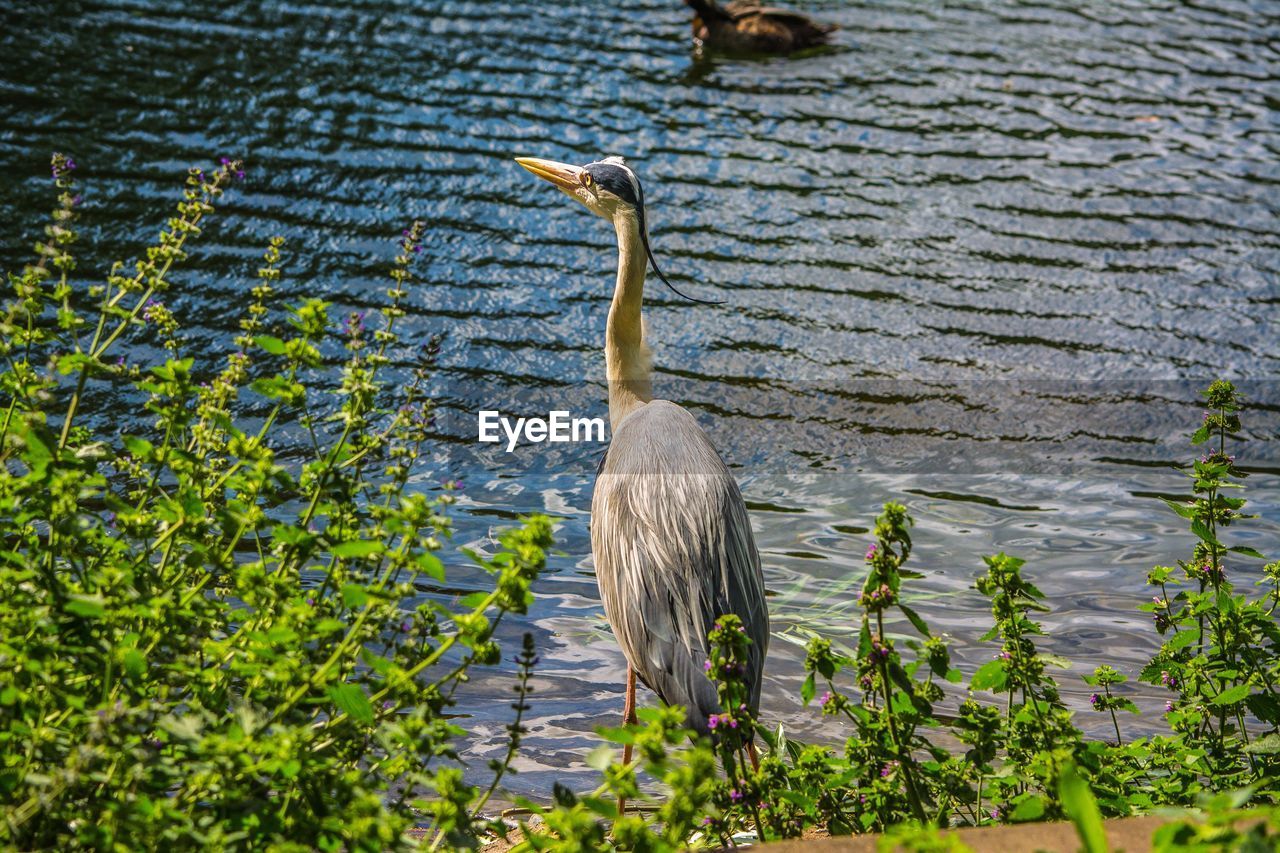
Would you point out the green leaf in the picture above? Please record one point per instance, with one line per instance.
(1184, 510)
(291, 535)
(1029, 807)
(1269, 745)
(1206, 535)
(135, 663)
(138, 447)
(1248, 552)
(278, 388)
(1081, 806)
(605, 808)
(472, 600)
(990, 676)
(430, 565)
(73, 361)
(807, 690)
(915, 620)
(275, 346)
(357, 548)
(864, 639)
(600, 757)
(352, 701)
(281, 635)
(1232, 695)
(354, 595)
(1180, 640)
(88, 606)
(37, 450)
(618, 734)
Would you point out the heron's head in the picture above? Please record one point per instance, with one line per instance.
(607, 188)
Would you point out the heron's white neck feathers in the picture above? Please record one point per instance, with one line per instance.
(628, 362)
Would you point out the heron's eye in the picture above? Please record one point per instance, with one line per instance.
(586, 179)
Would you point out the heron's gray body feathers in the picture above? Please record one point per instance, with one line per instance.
(673, 552)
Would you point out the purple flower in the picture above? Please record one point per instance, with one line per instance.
(871, 551)
(826, 697)
(355, 323)
(713, 721)
(1095, 700)
(735, 795)
(388, 705)
(406, 626)
(706, 666)
(995, 814)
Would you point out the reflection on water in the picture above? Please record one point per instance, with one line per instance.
(977, 258)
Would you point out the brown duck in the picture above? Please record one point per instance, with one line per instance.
(746, 27)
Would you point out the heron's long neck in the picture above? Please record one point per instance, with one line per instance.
(626, 356)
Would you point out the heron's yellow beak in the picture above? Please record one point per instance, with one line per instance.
(564, 176)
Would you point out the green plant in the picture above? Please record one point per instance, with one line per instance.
(1221, 656)
(1221, 825)
(1023, 759)
(210, 639)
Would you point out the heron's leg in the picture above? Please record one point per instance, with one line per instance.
(628, 717)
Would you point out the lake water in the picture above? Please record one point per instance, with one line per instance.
(979, 258)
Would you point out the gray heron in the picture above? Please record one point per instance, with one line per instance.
(670, 535)
(744, 26)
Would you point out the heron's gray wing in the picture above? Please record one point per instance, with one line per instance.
(674, 551)
(745, 592)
